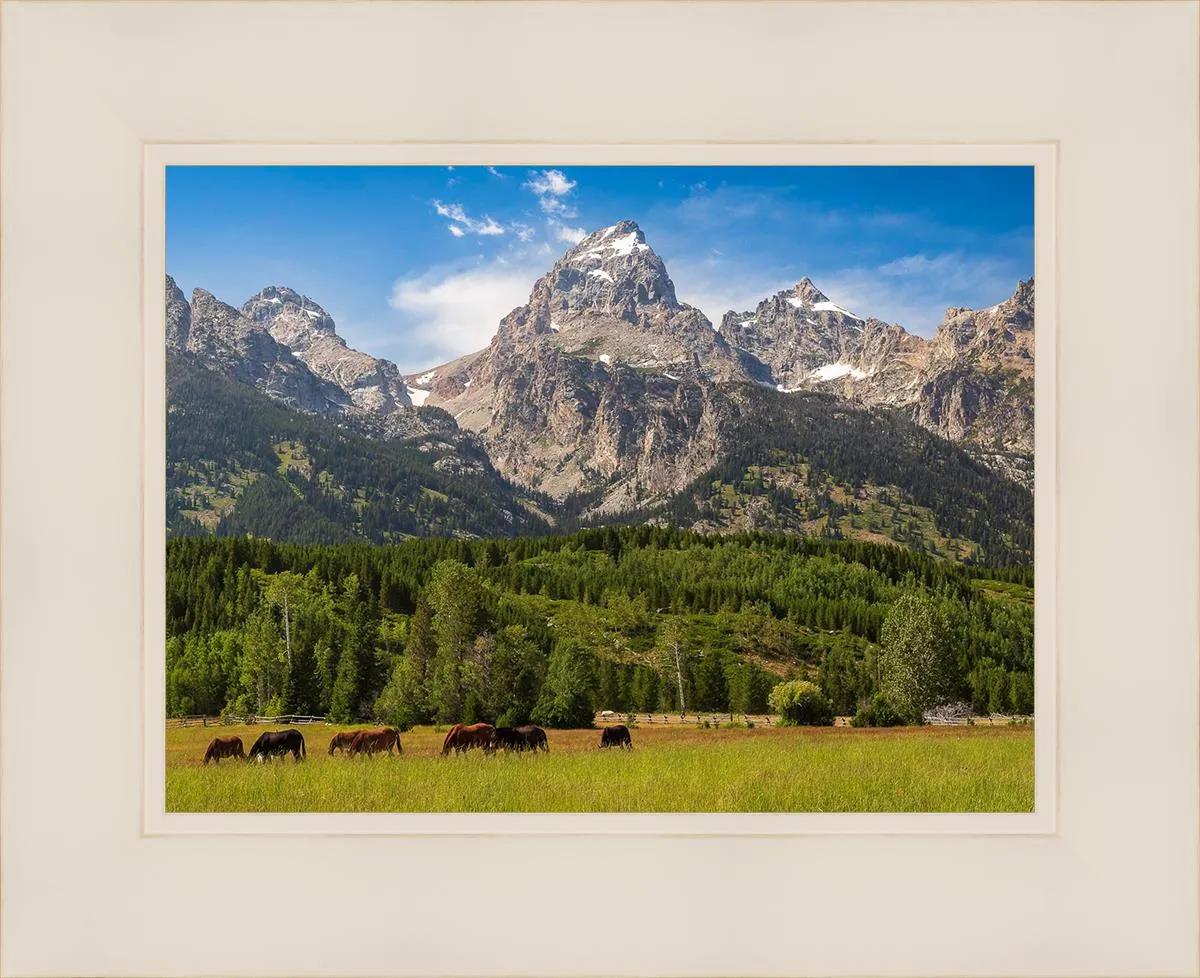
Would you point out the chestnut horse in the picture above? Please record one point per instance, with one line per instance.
(342, 739)
(224, 747)
(463, 737)
(379, 738)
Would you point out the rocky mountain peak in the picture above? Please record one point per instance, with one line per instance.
(179, 316)
(210, 311)
(808, 293)
(613, 271)
(277, 301)
(1023, 296)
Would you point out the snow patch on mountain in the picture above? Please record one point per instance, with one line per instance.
(832, 371)
(834, 307)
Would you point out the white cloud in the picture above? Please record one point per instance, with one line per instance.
(567, 235)
(551, 187)
(552, 205)
(552, 183)
(494, 172)
(715, 285)
(453, 211)
(714, 299)
(523, 231)
(465, 224)
(916, 290)
(450, 313)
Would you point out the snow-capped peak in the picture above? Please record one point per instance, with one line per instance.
(620, 240)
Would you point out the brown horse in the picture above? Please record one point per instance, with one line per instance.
(463, 737)
(379, 738)
(224, 747)
(616, 736)
(530, 737)
(342, 740)
(278, 743)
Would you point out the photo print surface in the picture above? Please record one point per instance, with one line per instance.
(600, 489)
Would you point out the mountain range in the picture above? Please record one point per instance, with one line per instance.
(604, 398)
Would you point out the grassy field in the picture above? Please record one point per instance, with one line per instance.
(671, 769)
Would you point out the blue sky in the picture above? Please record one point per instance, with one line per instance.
(418, 264)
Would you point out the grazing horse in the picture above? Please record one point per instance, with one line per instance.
(463, 737)
(224, 747)
(532, 737)
(507, 738)
(380, 738)
(342, 740)
(535, 737)
(529, 737)
(277, 743)
(616, 736)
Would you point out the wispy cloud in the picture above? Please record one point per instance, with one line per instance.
(566, 235)
(494, 172)
(464, 223)
(552, 187)
(552, 182)
(715, 286)
(915, 290)
(446, 314)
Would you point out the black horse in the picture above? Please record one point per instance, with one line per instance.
(529, 737)
(617, 736)
(278, 743)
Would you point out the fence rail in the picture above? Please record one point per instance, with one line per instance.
(611, 717)
(246, 720)
(687, 719)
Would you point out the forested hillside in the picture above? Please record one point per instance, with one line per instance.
(239, 462)
(809, 463)
(553, 628)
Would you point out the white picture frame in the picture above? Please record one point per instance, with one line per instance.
(1101, 879)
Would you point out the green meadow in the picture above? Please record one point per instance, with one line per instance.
(671, 769)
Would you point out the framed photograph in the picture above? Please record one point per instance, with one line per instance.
(532, 587)
(482, 463)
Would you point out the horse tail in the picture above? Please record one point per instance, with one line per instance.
(399, 748)
(302, 751)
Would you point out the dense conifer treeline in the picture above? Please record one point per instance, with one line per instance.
(552, 628)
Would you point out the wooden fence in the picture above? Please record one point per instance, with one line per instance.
(991, 720)
(687, 719)
(249, 720)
